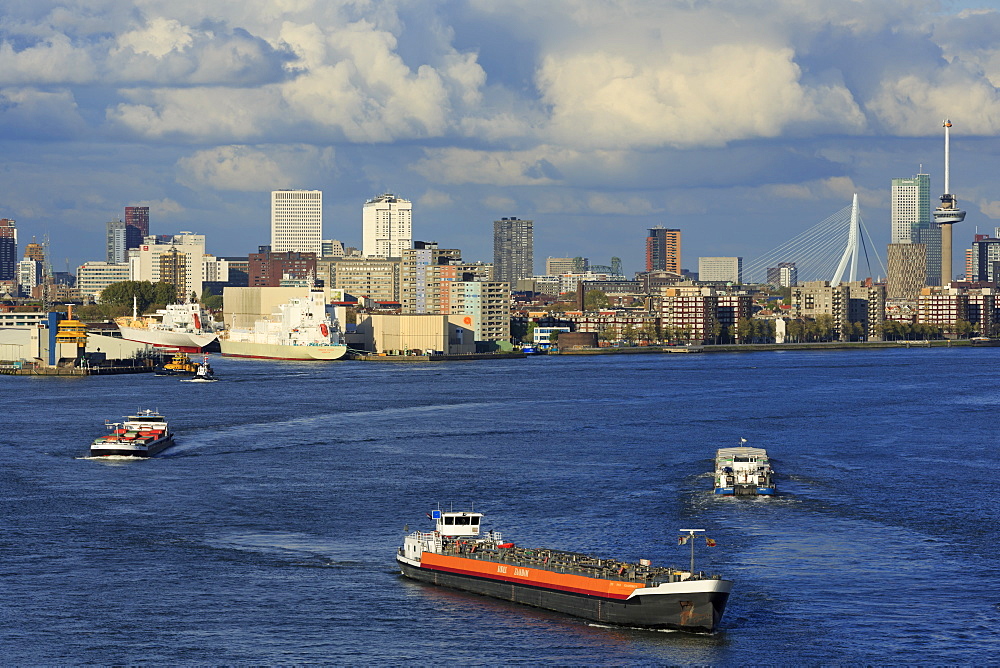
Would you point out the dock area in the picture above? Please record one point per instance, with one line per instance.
(113, 367)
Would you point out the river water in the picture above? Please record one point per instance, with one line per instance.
(267, 534)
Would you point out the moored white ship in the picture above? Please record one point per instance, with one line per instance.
(185, 327)
(302, 329)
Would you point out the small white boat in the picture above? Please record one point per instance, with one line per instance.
(743, 471)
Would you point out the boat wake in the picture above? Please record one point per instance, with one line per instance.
(114, 458)
(637, 628)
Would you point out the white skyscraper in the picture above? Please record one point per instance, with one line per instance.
(387, 223)
(297, 221)
(911, 220)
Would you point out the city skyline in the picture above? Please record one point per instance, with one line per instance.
(592, 129)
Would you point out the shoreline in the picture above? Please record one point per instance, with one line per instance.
(765, 347)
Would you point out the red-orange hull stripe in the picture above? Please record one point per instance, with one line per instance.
(535, 577)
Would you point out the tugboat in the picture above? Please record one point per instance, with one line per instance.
(179, 365)
(204, 374)
(602, 590)
(743, 471)
(141, 435)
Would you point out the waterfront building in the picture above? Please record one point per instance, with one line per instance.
(513, 249)
(297, 221)
(847, 304)
(720, 269)
(983, 310)
(689, 312)
(420, 276)
(267, 268)
(541, 337)
(663, 249)
(943, 307)
(912, 221)
(484, 305)
(907, 271)
(8, 250)
(435, 280)
(397, 333)
(376, 278)
(614, 324)
(785, 275)
(93, 277)
(176, 259)
(730, 309)
(387, 226)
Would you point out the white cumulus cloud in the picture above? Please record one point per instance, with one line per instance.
(250, 168)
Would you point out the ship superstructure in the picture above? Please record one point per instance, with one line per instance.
(183, 327)
(301, 329)
(456, 554)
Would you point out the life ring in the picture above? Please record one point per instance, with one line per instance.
(324, 329)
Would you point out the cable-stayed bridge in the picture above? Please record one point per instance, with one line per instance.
(824, 252)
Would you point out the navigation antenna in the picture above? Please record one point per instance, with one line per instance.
(689, 538)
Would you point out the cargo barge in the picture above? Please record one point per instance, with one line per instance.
(607, 591)
(743, 471)
(141, 435)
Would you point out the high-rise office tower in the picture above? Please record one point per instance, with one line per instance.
(911, 220)
(985, 259)
(117, 242)
(297, 221)
(176, 259)
(387, 226)
(8, 250)
(137, 217)
(35, 251)
(663, 250)
(907, 271)
(513, 250)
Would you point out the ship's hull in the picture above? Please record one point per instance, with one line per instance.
(125, 450)
(745, 490)
(695, 606)
(281, 352)
(186, 342)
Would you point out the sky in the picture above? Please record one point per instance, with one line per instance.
(740, 122)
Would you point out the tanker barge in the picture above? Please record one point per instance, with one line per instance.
(608, 591)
